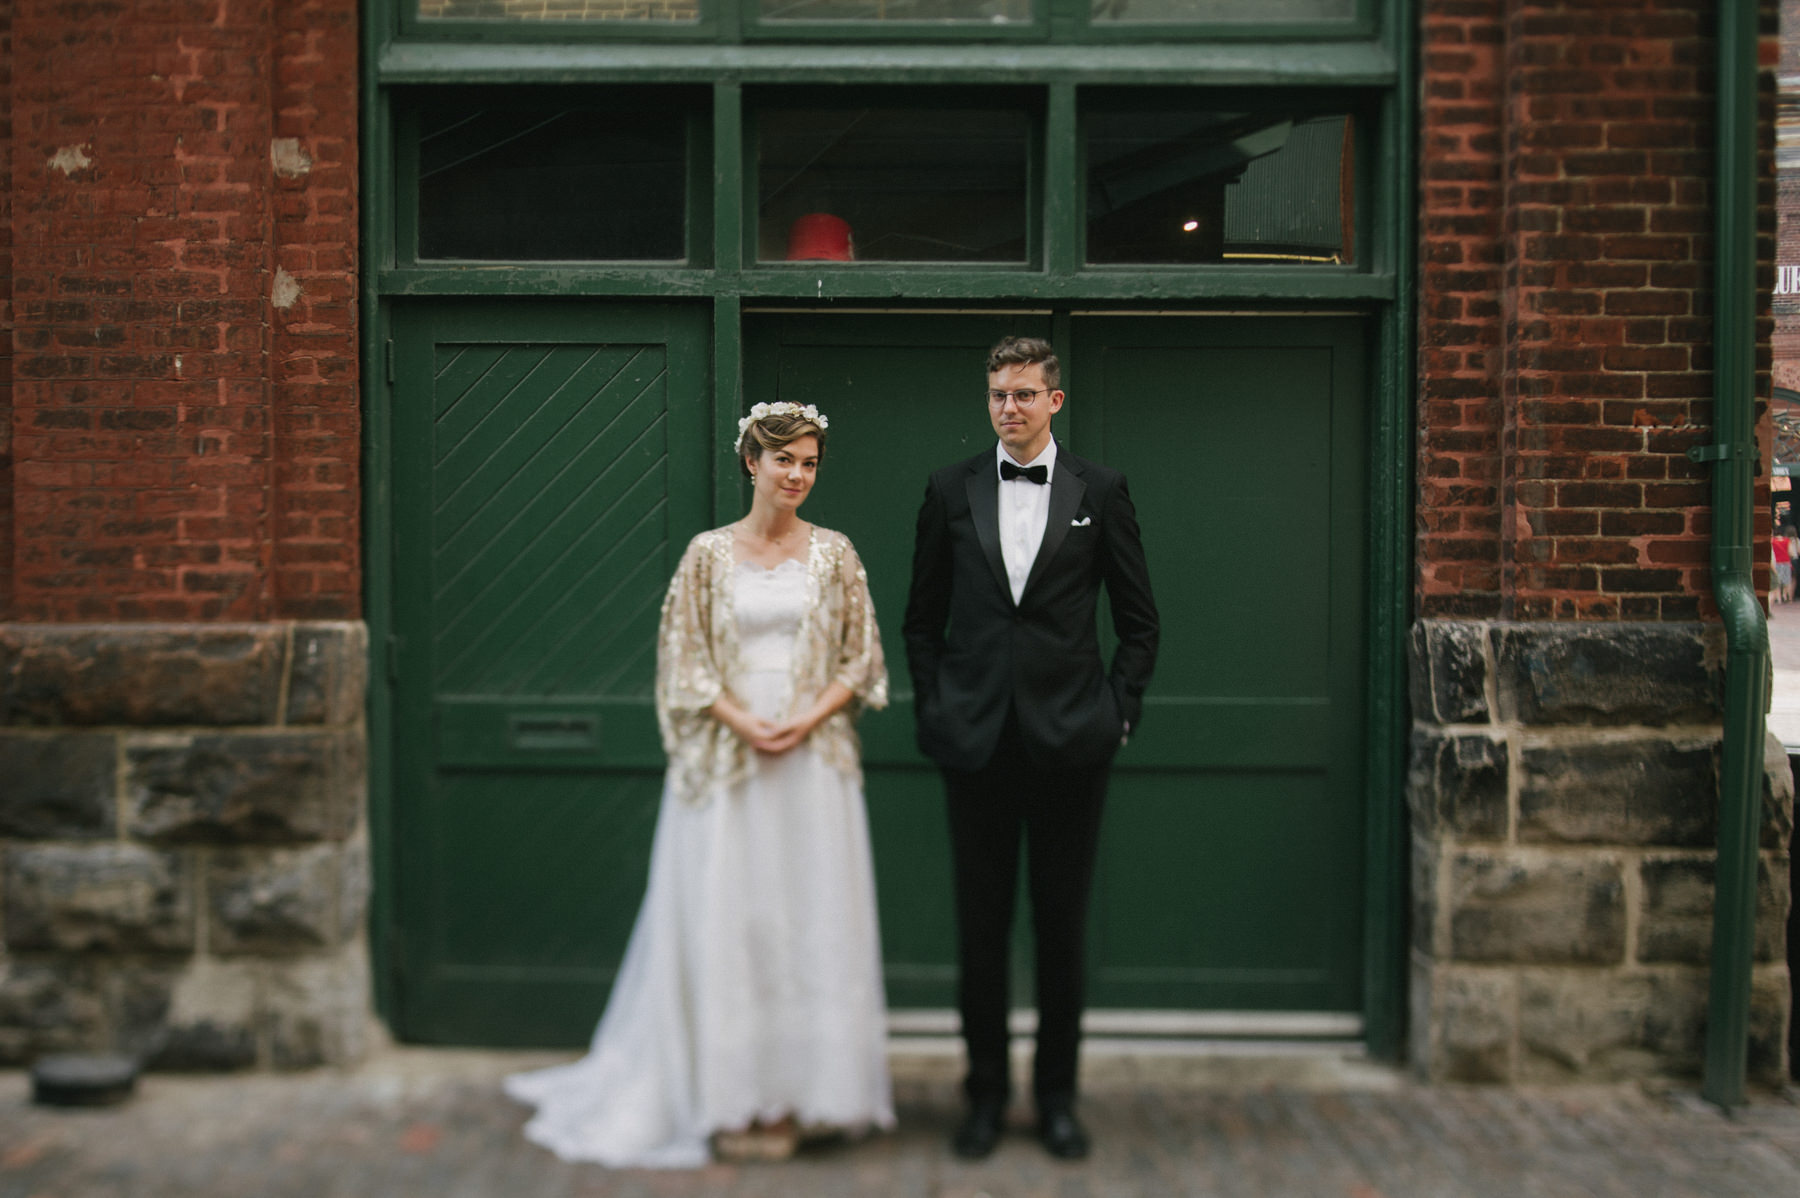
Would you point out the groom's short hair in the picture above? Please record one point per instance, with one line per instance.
(1027, 351)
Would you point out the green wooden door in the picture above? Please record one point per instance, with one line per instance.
(1231, 866)
(552, 459)
(550, 462)
(1231, 869)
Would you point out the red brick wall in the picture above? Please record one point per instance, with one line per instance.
(1787, 199)
(184, 415)
(317, 405)
(1565, 331)
(185, 402)
(6, 318)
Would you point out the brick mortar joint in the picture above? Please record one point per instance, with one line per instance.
(1577, 969)
(1489, 624)
(1631, 880)
(287, 675)
(1693, 735)
(1541, 852)
(198, 858)
(121, 790)
(1515, 1046)
(1515, 772)
(181, 847)
(43, 632)
(175, 732)
(354, 724)
(1490, 682)
(1633, 853)
(1441, 897)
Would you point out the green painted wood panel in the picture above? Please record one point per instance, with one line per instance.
(542, 494)
(1231, 871)
(1231, 865)
(549, 463)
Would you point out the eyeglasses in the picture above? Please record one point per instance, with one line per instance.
(1023, 398)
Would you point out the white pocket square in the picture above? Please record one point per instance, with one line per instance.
(1081, 523)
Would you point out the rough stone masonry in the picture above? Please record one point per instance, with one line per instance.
(1564, 795)
(183, 860)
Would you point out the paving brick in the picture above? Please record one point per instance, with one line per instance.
(416, 1122)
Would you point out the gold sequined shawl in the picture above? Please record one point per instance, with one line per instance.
(697, 655)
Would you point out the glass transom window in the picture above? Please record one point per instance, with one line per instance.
(618, 11)
(549, 179)
(1219, 12)
(1253, 187)
(891, 184)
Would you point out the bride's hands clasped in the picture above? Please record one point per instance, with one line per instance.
(778, 736)
(765, 736)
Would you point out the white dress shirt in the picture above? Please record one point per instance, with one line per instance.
(1024, 511)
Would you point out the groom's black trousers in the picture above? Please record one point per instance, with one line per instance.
(1055, 812)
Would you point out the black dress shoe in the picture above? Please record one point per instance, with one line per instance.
(980, 1131)
(1061, 1133)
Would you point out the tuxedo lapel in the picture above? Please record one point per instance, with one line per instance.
(1066, 490)
(984, 509)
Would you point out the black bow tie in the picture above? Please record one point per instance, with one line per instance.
(1031, 474)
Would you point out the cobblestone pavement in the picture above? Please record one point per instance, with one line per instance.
(434, 1124)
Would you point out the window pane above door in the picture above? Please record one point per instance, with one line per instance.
(1195, 186)
(941, 12)
(892, 184)
(963, 13)
(551, 180)
(1221, 12)
(643, 11)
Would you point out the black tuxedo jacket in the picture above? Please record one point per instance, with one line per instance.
(974, 653)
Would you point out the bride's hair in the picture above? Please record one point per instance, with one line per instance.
(773, 432)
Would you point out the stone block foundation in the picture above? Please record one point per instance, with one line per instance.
(183, 860)
(1564, 796)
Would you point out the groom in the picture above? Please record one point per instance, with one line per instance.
(1014, 704)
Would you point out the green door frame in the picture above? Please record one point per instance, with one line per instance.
(1377, 70)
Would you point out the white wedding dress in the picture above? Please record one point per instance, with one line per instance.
(751, 987)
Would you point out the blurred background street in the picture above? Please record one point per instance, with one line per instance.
(1784, 647)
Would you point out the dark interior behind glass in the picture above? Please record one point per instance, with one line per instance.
(548, 179)
(1268, 186)
(901, 184)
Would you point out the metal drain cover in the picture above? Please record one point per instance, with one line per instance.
(74, 1079)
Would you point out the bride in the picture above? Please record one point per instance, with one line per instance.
(748, 1010)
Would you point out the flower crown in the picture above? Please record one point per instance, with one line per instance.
(780, 407)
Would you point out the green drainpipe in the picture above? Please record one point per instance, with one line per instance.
(1734, 455)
